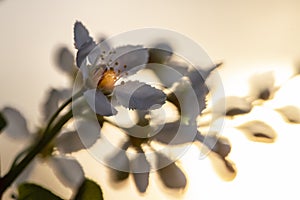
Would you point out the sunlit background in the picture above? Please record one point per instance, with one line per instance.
(248, 36)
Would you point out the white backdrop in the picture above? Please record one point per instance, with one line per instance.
(248, 36)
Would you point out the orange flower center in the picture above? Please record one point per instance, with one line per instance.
(108, 80)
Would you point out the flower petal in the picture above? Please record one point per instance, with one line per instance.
(141, 181)
(221, 146)
(140, 163)
(99, 102)
(69, 142)
(65, 93)
(65, 60)
(176, 133)
(200, 89)
(199, 75)
(190, 101)
(67, 170)
(17, 125)
(128, 59)
(291, 113)
(224, 167)
(81, 35)
(137, 95)
(89, 131)
(121, 160)
(51, 104)
(53, 98)
(140, 168)
(262, 85)
(84, 52)
(237, 105)
(160, 53)
(258, 131)
(83, 42)
(168, 73)
(171, 175)
(197, 79)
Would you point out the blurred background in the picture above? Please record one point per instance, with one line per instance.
(248, 36)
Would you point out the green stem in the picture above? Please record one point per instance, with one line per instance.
(19, 156)
(47, 136)
(54, 116)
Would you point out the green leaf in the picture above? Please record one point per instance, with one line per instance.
(89, 190)
(3, 122)
(35, 192)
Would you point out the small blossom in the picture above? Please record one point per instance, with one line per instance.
(105, 67)
(106, 71)
(66, 168)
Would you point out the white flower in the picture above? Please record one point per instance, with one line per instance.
(103, 67)
(66, 168)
